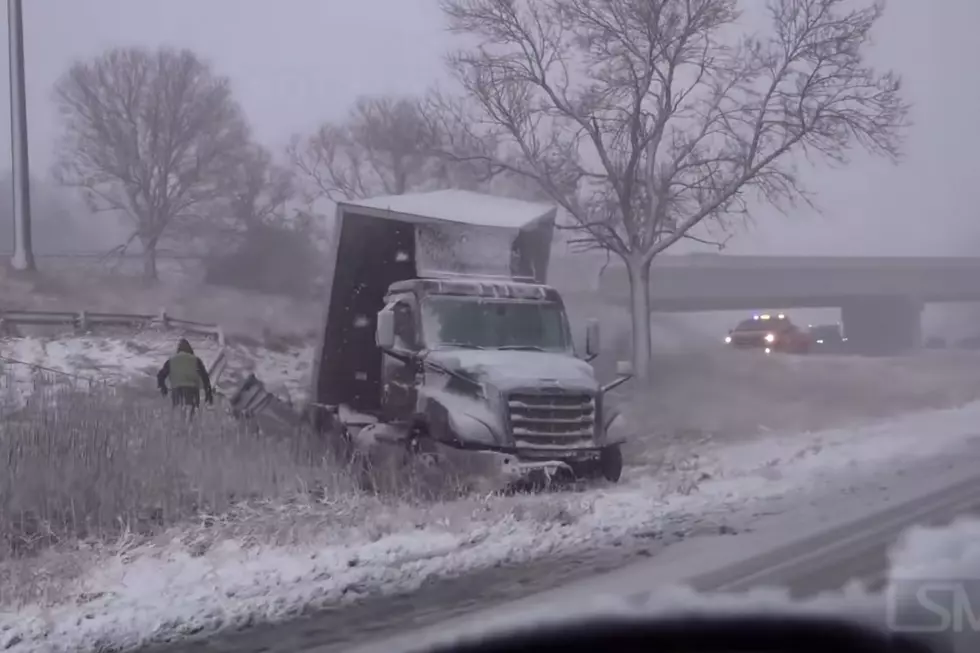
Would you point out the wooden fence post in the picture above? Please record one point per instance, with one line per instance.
(164, 320)
(83, 321)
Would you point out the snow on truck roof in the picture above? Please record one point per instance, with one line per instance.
(457, 206)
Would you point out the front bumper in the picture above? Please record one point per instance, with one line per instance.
(497, 470)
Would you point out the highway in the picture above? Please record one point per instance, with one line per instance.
(807, 563)
(853, 551)
(826, 559)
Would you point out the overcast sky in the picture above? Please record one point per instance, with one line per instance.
(295, 63)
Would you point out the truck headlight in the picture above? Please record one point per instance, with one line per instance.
(728, 340)
(770, 337)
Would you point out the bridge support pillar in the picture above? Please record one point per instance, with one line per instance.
(882, 326)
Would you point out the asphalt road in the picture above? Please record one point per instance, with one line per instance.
(846, 553)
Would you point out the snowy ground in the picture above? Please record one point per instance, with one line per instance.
(128, 358)
(129, 596)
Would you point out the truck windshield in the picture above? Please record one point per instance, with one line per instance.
(494, 324)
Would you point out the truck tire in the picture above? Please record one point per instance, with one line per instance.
(611, 463)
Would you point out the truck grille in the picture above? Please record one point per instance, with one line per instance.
(551, 420)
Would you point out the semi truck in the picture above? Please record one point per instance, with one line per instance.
(441, 339)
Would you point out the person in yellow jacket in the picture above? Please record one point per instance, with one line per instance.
(187, 375)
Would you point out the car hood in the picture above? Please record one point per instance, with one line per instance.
(508, 370)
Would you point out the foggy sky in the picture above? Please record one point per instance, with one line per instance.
(295, 63)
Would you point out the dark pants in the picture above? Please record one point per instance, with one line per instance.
(186, 397)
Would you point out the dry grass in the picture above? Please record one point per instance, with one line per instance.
(95, 474)
(114, 477)
(100, 464)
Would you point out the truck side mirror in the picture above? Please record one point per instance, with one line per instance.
(624, 372)
(384, 332)
(592, 339)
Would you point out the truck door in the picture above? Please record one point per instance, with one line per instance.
(399, 378)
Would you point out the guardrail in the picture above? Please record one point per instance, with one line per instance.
(85, 320)
(161, 256)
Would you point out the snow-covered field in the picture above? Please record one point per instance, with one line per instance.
(127, 595)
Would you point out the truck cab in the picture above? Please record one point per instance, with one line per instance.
(502, 348)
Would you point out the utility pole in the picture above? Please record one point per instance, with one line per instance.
(23, 258)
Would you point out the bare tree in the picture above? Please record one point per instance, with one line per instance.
(646, 118)
(264, 244)
(382, 148)
(387, 146)
(261, 189)
(257, 193)
(155, 136)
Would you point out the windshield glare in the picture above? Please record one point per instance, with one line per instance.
(494, 324)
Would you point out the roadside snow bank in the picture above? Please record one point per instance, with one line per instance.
(176, 588)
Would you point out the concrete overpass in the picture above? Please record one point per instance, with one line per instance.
(881, 298)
